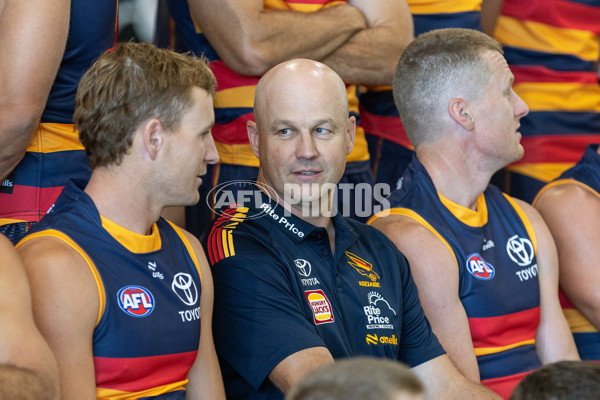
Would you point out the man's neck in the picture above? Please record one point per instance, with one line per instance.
(122, 200)
(455, 176)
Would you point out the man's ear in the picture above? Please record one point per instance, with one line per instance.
(460, 112)
(253, 137)
(351, 132)
(153, 139)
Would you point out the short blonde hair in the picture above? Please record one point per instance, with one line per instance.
(435, 67)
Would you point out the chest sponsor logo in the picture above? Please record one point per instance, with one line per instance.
(185, 288)
(304, 269)
(520, 250)
(479, 268)
(379, 313)
(136, 301)
(320, 305)
(364, 268)
(374, 339)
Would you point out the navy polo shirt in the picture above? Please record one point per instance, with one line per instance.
(279, 289)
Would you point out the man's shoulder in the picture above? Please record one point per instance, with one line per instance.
(235, 233)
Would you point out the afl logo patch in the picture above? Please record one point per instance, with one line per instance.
(480, 268)
(136, 301)
(320, 305)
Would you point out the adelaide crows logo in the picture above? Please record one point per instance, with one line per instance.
(363, 267)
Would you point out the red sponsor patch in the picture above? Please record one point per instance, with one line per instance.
(321, 308)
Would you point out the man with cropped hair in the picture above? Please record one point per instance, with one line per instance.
(485, 264)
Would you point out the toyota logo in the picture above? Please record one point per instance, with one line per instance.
(184, 287)
(303, 267)
(520, 250)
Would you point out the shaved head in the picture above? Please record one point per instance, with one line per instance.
(292, 77)
(303, 131)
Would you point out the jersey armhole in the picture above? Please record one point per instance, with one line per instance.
(188, 247)
(417, 218)
(67, 240)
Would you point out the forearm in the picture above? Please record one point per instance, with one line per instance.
(554, 341)
(490, 11)
(370, 56)
(32, 40)
(445, 382)
(24, 384)
(15, 135)
(252, 40)
(205, 382)
(468, 391)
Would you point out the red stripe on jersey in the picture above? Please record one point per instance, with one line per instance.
(142, 373)
(233, 132)
(215, 242)
(386, 127)
(22, 205)
(553, 148)
(564, 301)
(505, 385)
(228, 79)
(559, 13)
(504, 330)
(215, 250)
(543, 74)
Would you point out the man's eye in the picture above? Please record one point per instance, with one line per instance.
(321, 131)
(285, 131)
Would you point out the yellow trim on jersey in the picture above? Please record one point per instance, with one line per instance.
(577, 322)
(188, 247)
(379, 88)
(545, 38)
(552, 96)
(482, 351)
(132, 241)
(51, 137)
(111, 394)
(416, 217)
(236, 154)
(544, 172)
(290, 5)
(525, 220)
(6, 221)
(475, 218)
(563, 182)
(242, 154)
(230, 243)
(443, 6)
(61, 236)
(360, 152)
(240, 96)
